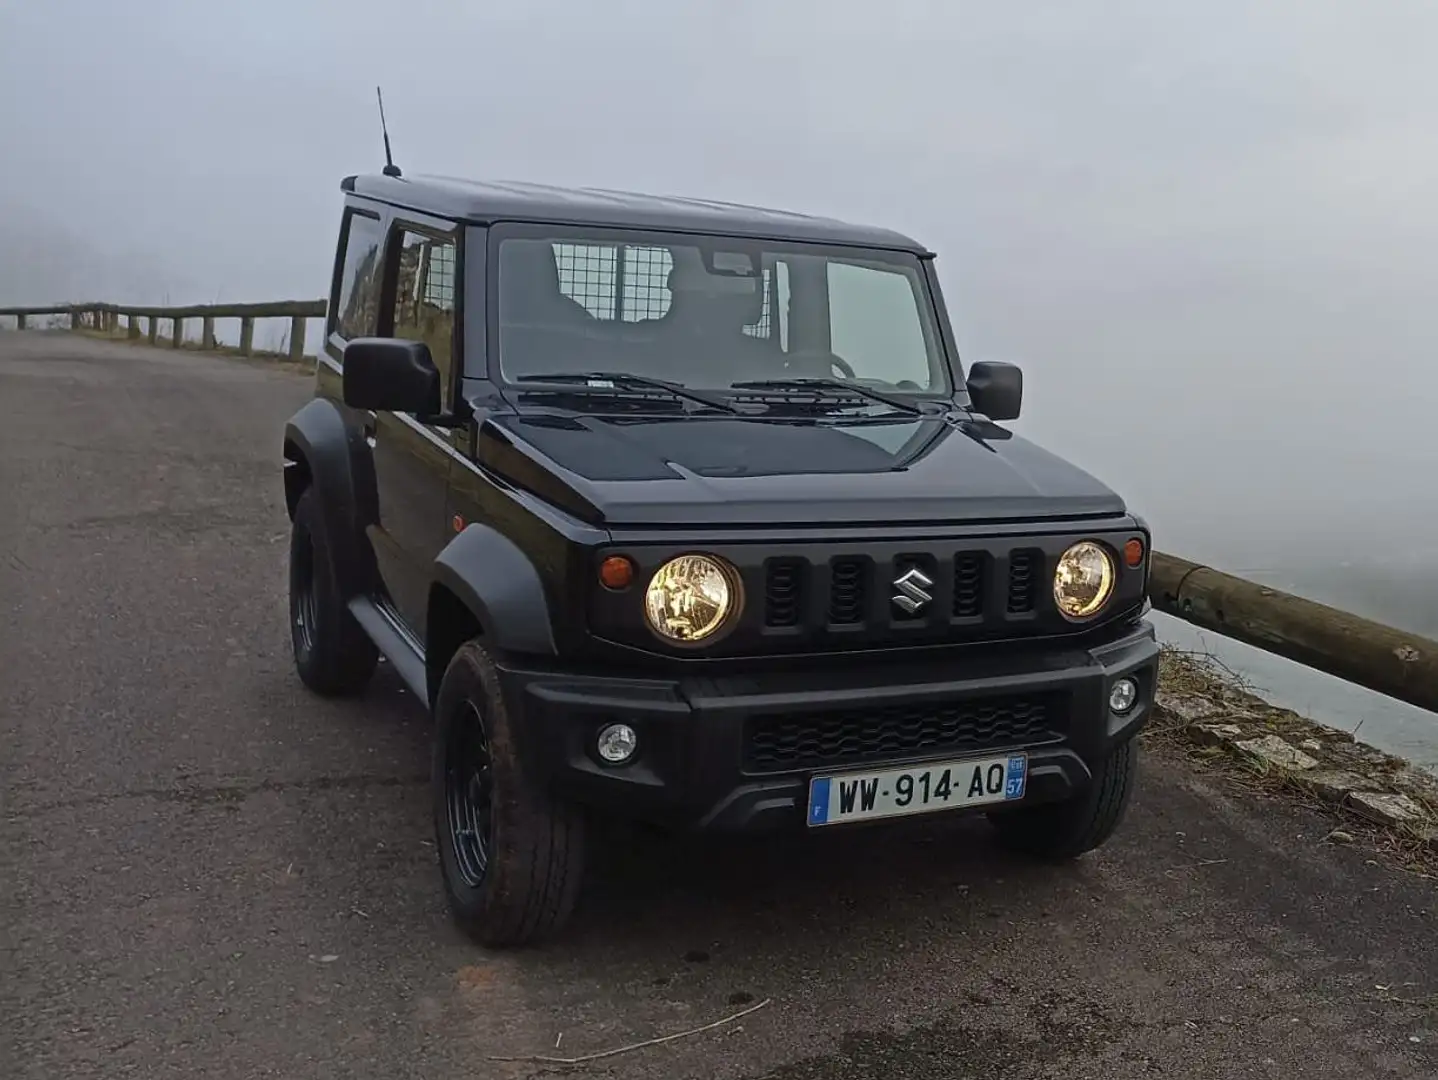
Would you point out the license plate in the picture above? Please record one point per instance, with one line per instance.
(917, 789)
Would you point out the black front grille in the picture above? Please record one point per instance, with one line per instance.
(848, 593)
(963, 584)
(779, 742)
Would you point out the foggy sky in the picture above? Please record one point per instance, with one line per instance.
(1206, 231)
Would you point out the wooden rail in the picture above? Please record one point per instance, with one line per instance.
(106, 318)
(1378, 657)
(1369, 654)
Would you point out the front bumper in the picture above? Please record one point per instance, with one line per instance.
(736, 752)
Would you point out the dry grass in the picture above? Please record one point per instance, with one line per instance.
(1202, 677)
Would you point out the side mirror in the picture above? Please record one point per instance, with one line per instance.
(391, 375)
(996, 389)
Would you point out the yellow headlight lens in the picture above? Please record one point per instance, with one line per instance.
(1084, 580)
(689, 598)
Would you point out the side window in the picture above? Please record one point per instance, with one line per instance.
(357, 309)
(424, 308)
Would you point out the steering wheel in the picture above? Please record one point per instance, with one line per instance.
(809, 363)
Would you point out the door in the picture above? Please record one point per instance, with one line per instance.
(412, 459)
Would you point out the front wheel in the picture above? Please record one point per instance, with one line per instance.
(1068, 829)
(511, 854)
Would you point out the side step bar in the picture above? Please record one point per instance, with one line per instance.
(396, 643)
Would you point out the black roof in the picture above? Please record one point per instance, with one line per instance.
(499, 200)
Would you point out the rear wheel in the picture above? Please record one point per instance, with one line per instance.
(332, 654)
(511, 854)
(1068, 829)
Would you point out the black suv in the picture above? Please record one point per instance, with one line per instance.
(686, 511)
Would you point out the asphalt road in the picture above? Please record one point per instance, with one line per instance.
(208, 872)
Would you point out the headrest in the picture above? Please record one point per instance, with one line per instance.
(693, 286)
(532, 260)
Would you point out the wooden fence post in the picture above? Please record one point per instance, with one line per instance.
(114, 321)
(297, 338)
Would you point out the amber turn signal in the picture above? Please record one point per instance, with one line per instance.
(616, 572)
(1133, 553)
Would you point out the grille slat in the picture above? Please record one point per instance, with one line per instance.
(848, 591)
(783, 592)
(969, 584)
(780, 742)
(1024, 567)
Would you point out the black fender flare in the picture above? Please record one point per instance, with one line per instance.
(335, 459)
(501, 587)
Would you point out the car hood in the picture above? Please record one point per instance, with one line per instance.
(722, 470)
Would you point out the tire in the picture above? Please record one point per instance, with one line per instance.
(521, 889)
(333, 656)
(1057, 832)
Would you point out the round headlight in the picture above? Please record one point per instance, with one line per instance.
(1083, 581)
(690, 598)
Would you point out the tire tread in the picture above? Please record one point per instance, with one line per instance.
(544, 843)
(344, 658)
(1064, 831)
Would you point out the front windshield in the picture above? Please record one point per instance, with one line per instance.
(710, 312)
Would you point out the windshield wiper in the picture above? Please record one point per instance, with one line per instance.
(621, 379)
(832, 384)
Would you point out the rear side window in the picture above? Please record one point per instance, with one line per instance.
(424, 297)
(357, 309)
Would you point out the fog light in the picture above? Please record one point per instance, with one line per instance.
(616, 744)
(1122, 695)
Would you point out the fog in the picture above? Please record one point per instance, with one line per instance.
(1206, 232)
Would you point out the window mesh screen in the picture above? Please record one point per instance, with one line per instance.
(593, 276)
(586, 275)
(439, 278)
(646, 288)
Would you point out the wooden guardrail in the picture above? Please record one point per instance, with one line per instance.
(1358, 650)
(106, 318)
(1369, 654)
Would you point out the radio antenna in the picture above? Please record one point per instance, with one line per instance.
(390, 168)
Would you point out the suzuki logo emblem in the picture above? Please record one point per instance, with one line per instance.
(913, 594)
